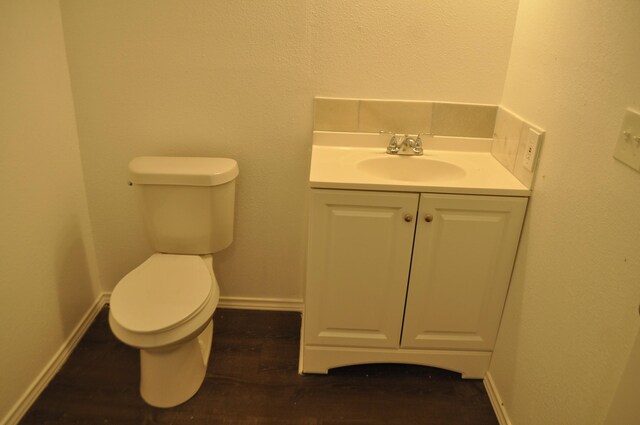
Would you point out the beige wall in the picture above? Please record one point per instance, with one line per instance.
(572, 311)
(624, 408)
(47, 266)
(237, 79)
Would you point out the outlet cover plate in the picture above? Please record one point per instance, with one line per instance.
(531, 149)
(628, 147)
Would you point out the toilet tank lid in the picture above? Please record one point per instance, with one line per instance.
(185, 171)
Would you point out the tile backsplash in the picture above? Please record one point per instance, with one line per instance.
(411, 117)
(399, 117)
(509, 131)
(336, 114)
(457, 119)
(509, 144)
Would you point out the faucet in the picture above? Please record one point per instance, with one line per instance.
(407, 146)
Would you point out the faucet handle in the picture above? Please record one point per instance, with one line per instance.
(392, 147)
(417, 145)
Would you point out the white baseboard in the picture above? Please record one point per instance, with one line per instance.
(59, 358)
(251, 303)
(496, 400)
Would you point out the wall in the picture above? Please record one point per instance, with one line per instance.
(48, 276)
(624, 408)
(572, 311)
(237, 79)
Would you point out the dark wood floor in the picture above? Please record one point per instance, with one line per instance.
(253, 379)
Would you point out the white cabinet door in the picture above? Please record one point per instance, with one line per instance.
(358, 265)
(461, 268)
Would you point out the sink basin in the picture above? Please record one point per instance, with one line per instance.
(410, 168)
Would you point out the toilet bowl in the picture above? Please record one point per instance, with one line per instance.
(164, 307)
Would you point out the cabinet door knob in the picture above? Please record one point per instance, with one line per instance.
(428, 218)
(408, 218)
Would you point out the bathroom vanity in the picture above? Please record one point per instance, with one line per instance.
(409, 258)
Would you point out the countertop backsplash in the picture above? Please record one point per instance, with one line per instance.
(508, 131)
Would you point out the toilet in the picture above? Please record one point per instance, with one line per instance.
(164, 307)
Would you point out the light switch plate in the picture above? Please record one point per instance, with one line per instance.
(531, 149)
(628, 147)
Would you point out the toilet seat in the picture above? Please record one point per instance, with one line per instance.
(162, 293)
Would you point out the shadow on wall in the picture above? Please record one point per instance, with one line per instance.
(512, 320)
(72, 277)
(625, 409)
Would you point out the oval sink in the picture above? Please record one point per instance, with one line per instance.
(410, 168)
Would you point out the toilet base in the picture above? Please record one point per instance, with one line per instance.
(171, 376)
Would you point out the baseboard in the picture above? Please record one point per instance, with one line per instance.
(496, 400)
(301, 353)
(255, 303)
(59, 358)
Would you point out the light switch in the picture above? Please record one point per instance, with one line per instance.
(628, 147)
(531, 149)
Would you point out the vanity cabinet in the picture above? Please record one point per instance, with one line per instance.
(407, 278)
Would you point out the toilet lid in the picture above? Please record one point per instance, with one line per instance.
(161, 293)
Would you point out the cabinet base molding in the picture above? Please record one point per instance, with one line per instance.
(319, 359)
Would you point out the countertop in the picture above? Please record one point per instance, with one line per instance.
(336, 161)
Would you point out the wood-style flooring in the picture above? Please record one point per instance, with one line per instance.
(253, 379)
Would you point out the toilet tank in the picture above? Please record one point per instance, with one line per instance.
(187, 202)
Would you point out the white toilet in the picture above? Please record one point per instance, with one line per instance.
(165, 306)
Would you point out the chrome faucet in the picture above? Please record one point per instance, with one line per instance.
(406, 145)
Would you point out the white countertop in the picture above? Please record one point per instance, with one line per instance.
(336, 157)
